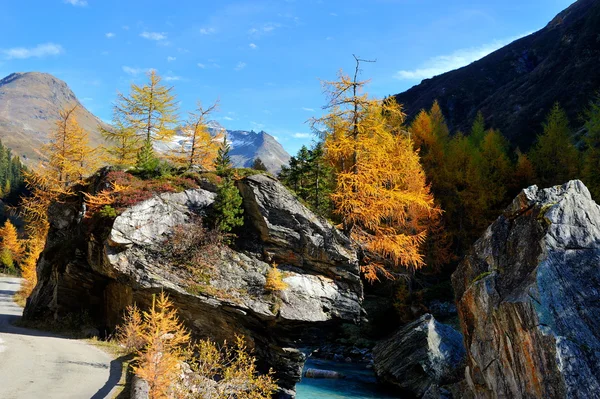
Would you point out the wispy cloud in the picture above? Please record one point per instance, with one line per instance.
(227, 118)
(253, 46)
(109, 35)
(302, 135)
(333, 14)
(458, 59)
(39, 51)
(207, 31)
(264, 29)
(134, 71)
(172, 78)
(201, 65)
(77, 3)
(240, 65)
(171, 59)
(158, 36)
(308, 109)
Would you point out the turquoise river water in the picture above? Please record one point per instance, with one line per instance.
(358, 384)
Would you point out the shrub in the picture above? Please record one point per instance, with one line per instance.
(108, 212)
(193, 246)
(275, 281)
(6, 260)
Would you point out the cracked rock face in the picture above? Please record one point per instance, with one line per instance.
(528, 296)
(421, 357)
(98, 268)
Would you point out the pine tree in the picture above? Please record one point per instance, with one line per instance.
(591, 165)
(147, 161)
(198, 148)
(223, 160)
(478, 130)
(381, 194)
(259, 165)
(227, 207)
(495, 170)
(554, 156)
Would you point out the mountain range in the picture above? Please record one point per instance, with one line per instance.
(516, 86)
(30, 103)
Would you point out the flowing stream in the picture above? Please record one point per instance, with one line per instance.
(359, 383)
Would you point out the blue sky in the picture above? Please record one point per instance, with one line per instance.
(262, 59)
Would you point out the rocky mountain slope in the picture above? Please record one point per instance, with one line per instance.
(98, 266)
(247, 146)
(29, 106)
(527, 297)
(516, 86)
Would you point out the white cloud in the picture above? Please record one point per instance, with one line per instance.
(207, 31)
(253, 46)
(302, 135)
(333, 14)
(265, 28)
(308, 109)
(240, 65)
(171, 59)
(109, 35)
(39, 51)
(77, 3)
(158, 36)
(172, 78)
(227, 118)
(458, 59)
(135, 71)
(200, 65)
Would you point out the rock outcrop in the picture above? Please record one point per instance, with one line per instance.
(100, 267)
(421, 357)
(529, 301)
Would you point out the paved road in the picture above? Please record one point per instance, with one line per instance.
(39, 365)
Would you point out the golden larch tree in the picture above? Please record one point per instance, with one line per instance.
(11, 241)
(381, 194)
(149, 110)
(70, 157)
(198, 147)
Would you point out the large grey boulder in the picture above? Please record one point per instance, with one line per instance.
(421, 357)
(528, 296)
(294, 235)
(98, 269)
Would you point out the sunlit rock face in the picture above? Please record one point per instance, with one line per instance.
(98, 267)
(528, 296)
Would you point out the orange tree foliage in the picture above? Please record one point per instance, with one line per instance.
(381, 194)
(198, 147)
(11, 241)
(70, 159)
(161, 345)
(164, 337)
(69, 153)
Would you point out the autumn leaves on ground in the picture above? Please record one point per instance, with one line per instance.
(412, 197)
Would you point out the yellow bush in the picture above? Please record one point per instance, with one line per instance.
(275, 281)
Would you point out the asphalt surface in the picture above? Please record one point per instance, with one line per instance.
(40, 365)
